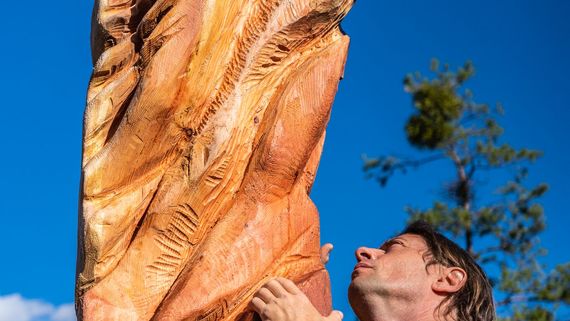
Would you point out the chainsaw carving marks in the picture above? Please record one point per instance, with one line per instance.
(301, 23)
(217, 175)
(216, 313)
(202, 135)
(174, 241)
(254, 26)
(152, 40)
(153, 18)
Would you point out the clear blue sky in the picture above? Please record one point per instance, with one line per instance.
(521, 50)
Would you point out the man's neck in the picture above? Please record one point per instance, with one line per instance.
(395, 310)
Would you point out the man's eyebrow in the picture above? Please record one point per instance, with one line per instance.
(392, 241)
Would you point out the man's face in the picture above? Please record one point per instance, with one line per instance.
(396, 270)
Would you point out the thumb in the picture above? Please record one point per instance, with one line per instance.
(335, 316)
(325, 252)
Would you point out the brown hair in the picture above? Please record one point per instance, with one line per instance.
(474, 301)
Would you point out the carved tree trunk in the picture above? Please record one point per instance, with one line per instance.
(203, 130)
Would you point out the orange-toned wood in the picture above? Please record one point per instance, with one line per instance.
(203, 131)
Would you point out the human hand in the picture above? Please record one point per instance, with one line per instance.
(325, 252)
(281, 300)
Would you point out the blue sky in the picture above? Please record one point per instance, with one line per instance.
(520, 49)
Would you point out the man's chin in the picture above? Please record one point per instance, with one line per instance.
(356, 292)
(357, 283)
(362, 284)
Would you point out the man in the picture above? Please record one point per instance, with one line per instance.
(419, 275)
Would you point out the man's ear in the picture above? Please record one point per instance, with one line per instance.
(450, 280)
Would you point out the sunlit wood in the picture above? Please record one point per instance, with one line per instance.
(203, 131)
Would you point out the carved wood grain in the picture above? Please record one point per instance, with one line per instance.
(203, 130)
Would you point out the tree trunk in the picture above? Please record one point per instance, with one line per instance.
(203, 131)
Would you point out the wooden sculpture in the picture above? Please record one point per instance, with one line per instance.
(203, 130)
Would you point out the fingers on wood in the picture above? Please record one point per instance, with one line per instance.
(289, 286)
(265, 295)
(276, 288)
(257, 304)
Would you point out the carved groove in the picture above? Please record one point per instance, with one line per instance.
(253, 27)
(153, 17)
(217, 176)
(152, 45)
(175, 239)
(216, 313)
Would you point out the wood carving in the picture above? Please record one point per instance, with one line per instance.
(203, 130)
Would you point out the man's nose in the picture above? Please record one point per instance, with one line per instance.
(364, 253)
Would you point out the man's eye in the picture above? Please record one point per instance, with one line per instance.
(389, 245)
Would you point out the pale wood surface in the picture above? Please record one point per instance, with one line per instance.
(203, 131)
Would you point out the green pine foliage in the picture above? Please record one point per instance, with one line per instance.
(503, 235)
